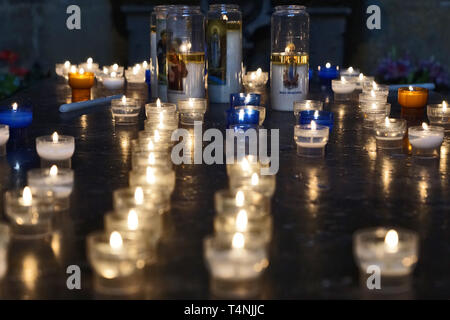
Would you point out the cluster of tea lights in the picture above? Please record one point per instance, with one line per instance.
(236, 254)
(134, 227)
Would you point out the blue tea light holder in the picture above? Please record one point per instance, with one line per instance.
(328, 73)
(16, 116)
(242, 116)
(321, 117)
(244, 99)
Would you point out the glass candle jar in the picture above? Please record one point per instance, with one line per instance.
(125, 111)
(118, 262)
(150, 159)
(349, 72)
(156, 140)
(289, 65)
(327, 73)
(320, 117)
(311, 139)
(343, 89)
(30, 214)
(389, 133)
(361, 80)
(185, 53)
(191, 110)
(16, 116)
(245, 166)
(373, 112)
(235, 260)
(152, 110)
(264, 184)
(57, 180)
(4, 243)
(412, 97)
(145, 199)
(4, 137)
(232, 201)
(153, 178)
(426, 140)
(162, 121)
(224, 46)
(55, 150)
(243, 99)
(137, 226)
(439, 114)
(256, 82)
(378, 89)
(243, 116)
(81, 83)
(306, 105)
(395, 252)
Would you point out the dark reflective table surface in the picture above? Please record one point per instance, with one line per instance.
(317, 206)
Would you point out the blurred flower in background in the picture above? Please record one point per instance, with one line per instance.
(407, 70)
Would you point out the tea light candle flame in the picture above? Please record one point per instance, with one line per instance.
(444, 105)
(115, 66)
(157, 137)
(387, 122)
(124, 99)
(132, 222)
(372, 93)
(151, 158)
(55, 137)
(258, 72)
(158, 103)
(139, 196)
(241, 115)
(14, 106)
(115, 241)
(150, 176)
(27, 197)
(224, 17)
(73, 69)
(255, 179)
(105, 70)
(113, 74)
(150, 145)
(424, 126)
(245, 165)
(361, 76)
(67, 64)
(191, 102)
(90, 61)
(316, 114)
(145, 64)
(343, 80)
(328, 65)
(410, 88)
(53, 171)
(240, 198)
(313, 125)
(81, 71)
(241, 221)
(350, 69)
(238, 241)
(391, 241)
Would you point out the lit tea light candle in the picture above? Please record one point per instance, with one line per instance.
(320, 117)
(158, 178)
(412, 97)
(125, 111)
(264, 184)
(439, 114)
(191, 110)
(244, 115)
(245, 166)
(235, 258)
(231, 201)
(150, 159)
(143, 227)
(144, 199)
(90, 66)
(426, 140)
(4, 137)
(118, 262)
(152, 110)
(327, 73)
(306, 105)
(113, 82)
(395, 252)
(372, 97)
(378, 89)
(243, 99)
(255, 79)
(62, 69)
(373, 112)
(361, 80)
(16, 116)
(135, 75)
(342, 89)
(350, 72)
(389, 133)
(30, 214)
(55, 149)
(311, 139)
(57, 180)
(81, 83)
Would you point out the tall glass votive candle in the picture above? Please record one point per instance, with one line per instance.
(394, 251)
(55, 150)
(389, 133)
(4, 137)
(153, 178)
(426, 140)
(412, 97)
(16, 116)
(439, 114)
(57, 180)
(125, 111)
(138, 226)
(311, 139)
(81, 83)
(243, 99)
(235, 263)
(191, 110)
(118, 262)
(306, 105)
(30, 214)
(373, 112)
(320, 117)
(145, 199)
(342, 89)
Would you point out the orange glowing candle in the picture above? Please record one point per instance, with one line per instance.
(81, 83)
(412, 97)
